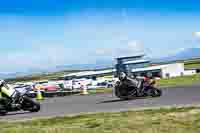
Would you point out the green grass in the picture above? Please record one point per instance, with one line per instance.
(101, 90)
(164, 120)
(178, 81)
(193, 63)
(192, 66)
(109, 76)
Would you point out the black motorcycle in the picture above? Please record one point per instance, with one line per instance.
(15, 102)
(125, 90)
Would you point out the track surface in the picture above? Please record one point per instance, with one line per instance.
(107, 103)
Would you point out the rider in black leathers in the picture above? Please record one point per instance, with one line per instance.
(136, 82)
(133, 82)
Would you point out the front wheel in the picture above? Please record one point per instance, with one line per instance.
(35, 108)
(156, 93)
(124, 92)
(31, 105)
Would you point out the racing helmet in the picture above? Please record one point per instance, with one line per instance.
(149, 75)
(2, 81)
(122, 76)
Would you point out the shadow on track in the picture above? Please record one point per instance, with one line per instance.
(121, 100)
(16, 113)
(112, 101)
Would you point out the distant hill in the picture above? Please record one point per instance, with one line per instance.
(102, 64)
(99, 64)
(183, 55)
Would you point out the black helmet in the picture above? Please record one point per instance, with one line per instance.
(122, 76)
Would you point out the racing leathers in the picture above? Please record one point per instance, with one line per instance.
(136, 82)
(9, 92)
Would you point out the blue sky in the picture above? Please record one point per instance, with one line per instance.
(48, 33)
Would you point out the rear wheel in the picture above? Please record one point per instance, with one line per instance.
(3, 103)
(3, 111)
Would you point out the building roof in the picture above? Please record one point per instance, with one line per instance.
(78, 73)
(136, 61)
(90, 73)
(130, 57)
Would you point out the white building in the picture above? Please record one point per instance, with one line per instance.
(190, 72)
(163, 71)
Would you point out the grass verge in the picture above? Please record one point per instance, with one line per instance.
(193, 63)
(100, 90)
(179, 81)
(163, 120)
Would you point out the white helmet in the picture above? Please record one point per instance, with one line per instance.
(1, 82)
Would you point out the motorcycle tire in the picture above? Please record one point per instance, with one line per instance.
(35, 105)
(156, 93)
(122, 94)
(3, 111)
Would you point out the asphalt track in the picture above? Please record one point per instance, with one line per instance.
(70, 105)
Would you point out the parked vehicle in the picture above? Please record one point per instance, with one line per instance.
(13, 100)
(50, 87)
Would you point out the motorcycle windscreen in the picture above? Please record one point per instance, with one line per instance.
(8, 91)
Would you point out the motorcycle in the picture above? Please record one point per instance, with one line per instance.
(126, 90)
(12, 100)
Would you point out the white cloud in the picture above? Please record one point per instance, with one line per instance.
(103, 51)
(131, 48)
(39, 56)
(176, 51)
(196, 34)
(136, 46)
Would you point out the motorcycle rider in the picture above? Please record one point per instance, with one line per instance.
(135, 82)
(150, 79)
(13, 100)
(141, 80)
(131, 81)
(9, 93)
